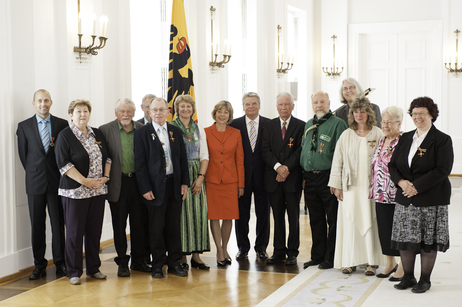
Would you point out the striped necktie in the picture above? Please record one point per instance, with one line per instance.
(45, 135)
(253, 135)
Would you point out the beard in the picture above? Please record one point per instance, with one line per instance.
(320, 114)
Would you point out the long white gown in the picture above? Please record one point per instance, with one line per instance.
(357, 240)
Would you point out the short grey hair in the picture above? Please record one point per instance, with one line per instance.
(359, 89)
(152, 96)
(250, 94)
(320, 92)
(286, 94)
(159, 98)
(126, 102)
(395, 112)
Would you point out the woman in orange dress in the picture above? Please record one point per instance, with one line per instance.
(224, 180)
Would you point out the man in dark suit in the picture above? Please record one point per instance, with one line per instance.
(145, 102)
(36, 137)
(251, 127)
(281, 148)
(123, 193)
(161, 168)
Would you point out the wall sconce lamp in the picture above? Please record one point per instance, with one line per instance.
(290, 59)
(91, 25)
(454, 57)
(214, 64)
(333, 71)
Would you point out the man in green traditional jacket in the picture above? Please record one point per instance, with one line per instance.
(318, 145)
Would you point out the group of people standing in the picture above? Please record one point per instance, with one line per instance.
(170, 179)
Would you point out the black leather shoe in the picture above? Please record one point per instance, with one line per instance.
(178, 271)
(311, 262)
(405, 283)
(221, 262)
(228, 260)
(275, 259)
(157, 273)
(395, 279)
(140, 266)
(326, 264)
(291, 260)
(241, 255)
(262, 255)
(61, 270)
(123, 271)
(184, 266)
(421, 287)
(381, 275)
(200, 266)
(37, 273)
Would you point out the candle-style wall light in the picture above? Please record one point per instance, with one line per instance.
(333, 71)
(281, 70)
(454, 58)
(214, 63)
(88, 21)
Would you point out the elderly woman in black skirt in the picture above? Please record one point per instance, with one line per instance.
(420, 167)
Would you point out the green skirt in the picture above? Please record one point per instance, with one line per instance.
(194, 220)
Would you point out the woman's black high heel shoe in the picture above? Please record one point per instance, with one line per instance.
(200, 266)
(387, 275)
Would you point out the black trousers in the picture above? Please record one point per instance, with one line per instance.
(37, 213)
(164, 229)
(322, 207)
(281, 202)
(129, 205)
(262, 212)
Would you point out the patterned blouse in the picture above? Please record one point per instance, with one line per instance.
(96, 166)
(382, 189)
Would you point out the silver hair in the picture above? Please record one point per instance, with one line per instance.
(152, 96)
(250, 94)
(395, 112)
(126, 102)
(159, 98)
(321, 92)
(286, 94)
(359, 89)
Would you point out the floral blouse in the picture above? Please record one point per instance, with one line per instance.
(383, 189)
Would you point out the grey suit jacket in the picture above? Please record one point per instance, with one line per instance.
(112, 136)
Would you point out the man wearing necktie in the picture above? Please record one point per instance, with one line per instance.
(161, 167)
(36, 137)
(283, 177)
(251, 127)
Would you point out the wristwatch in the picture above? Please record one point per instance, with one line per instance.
(107, 177)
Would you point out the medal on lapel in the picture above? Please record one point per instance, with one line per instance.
(421, 151)
(290, 143)
(321, 150)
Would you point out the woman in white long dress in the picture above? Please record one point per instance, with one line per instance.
(357, 239)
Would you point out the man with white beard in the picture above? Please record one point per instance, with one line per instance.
(123, 193)
(318, 145)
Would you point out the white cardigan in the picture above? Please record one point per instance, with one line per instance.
(344, 171)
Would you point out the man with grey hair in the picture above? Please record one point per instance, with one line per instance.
(251, 127)
(318, 145)
(145, 102)
(123, 193)
(281, 148)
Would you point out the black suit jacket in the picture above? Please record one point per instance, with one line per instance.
(150, 163)
(141, 120)
(428, 173)
(253, 161)
(41, 169)
(286, 152)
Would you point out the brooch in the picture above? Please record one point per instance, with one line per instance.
(153, 136)
(99, 144)
(422, 151)
(290, 143)
(52, 143)
(372, 143)
(171, 136)
(321, 150)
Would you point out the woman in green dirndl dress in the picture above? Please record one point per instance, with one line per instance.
(194, 220)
